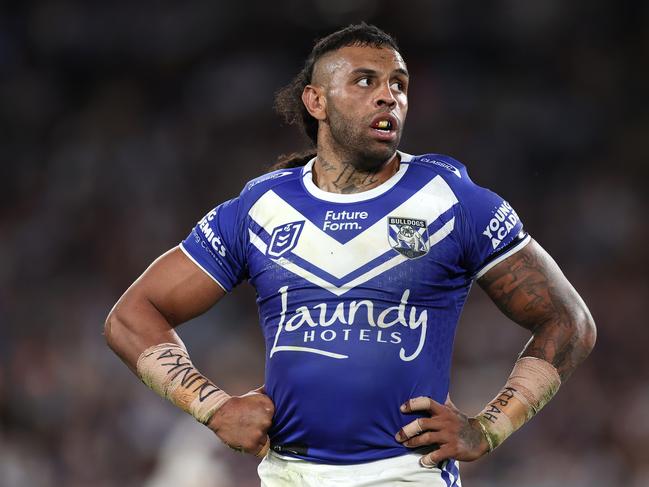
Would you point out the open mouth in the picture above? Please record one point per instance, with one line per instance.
(384, 127)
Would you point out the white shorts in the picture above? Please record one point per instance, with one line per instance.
(281, 471)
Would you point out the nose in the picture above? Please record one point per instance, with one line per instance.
(385, 97)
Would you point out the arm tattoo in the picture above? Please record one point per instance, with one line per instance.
(531, 290)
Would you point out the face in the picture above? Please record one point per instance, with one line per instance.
(364, 102)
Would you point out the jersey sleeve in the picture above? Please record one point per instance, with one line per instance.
(493, 230)
(488, 229)
(217, 244)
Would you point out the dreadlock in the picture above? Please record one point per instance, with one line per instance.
(288, 100)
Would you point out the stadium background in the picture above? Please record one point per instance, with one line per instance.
(121, 123)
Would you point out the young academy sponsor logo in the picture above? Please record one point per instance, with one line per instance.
(501, 224)
(408, 236)
(314, 329)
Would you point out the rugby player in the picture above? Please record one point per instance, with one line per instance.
(362, 257)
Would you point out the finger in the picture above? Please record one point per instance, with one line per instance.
(422, 404)
(427, 438)
(435, 458)
(416, 404)
(413, 428)
(418, 426)
(264, 449)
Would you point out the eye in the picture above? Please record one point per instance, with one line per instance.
(365, 82)
(397, 85)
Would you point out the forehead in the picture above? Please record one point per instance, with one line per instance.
(349, 58)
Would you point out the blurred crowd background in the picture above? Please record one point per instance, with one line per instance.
(122, 123)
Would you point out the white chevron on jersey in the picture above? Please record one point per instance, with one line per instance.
(338, 259)
(340, 290)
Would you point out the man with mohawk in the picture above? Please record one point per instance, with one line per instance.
(358, 312)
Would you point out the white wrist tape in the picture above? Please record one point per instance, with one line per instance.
(167, 369)
(531, 385)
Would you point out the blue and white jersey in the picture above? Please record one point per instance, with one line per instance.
(359, 294)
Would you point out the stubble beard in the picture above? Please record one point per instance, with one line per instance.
(356, 147)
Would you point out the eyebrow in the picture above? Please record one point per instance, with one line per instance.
(373, 72)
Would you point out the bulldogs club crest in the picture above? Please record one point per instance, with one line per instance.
(284, 238)
(408, 236)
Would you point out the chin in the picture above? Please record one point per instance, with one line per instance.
(374, 158)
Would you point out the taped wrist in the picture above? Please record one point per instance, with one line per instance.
(167, 369)
(531, 385)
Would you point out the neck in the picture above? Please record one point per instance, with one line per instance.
(339, 175)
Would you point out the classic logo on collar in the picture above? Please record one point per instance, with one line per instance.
(408, 236)
(284, 238)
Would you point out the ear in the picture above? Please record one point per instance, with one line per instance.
(315, 102)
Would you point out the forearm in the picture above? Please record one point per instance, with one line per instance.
(531, 290)
(146, 341)
(134, 325)
(531, 385)
(565, 343)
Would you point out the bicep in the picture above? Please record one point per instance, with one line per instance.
(171, 291)
(176, 287)
(530, 288)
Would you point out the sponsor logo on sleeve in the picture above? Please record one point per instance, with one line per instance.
(212, 238)
(501, 224)
(276, 175)
(445, 165)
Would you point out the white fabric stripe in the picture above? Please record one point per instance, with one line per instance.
(348, 286)
(257, 242)
(340, 260)
(291, 348)
(201, 267)
(502, 257)
(310, 186)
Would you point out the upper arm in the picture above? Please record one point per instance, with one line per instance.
(531, 290)
(178, 288)
(171, 291)
(181, 284)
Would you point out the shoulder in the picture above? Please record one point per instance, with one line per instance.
(445, 166)
(454, 173)
(263, 183)
(257, 187)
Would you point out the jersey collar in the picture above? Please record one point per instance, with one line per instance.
(313, 190)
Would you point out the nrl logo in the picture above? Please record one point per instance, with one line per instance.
(408, 236)
(284, 238)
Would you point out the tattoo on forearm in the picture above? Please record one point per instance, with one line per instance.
(530, 289)
(180, 364)
(494, 409)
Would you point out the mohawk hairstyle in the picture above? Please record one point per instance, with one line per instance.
(288, 100)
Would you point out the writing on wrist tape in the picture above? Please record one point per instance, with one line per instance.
(531, 385)
(167, 369)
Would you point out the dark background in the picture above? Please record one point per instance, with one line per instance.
(122, 123)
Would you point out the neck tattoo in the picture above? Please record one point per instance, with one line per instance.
(345, 178)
